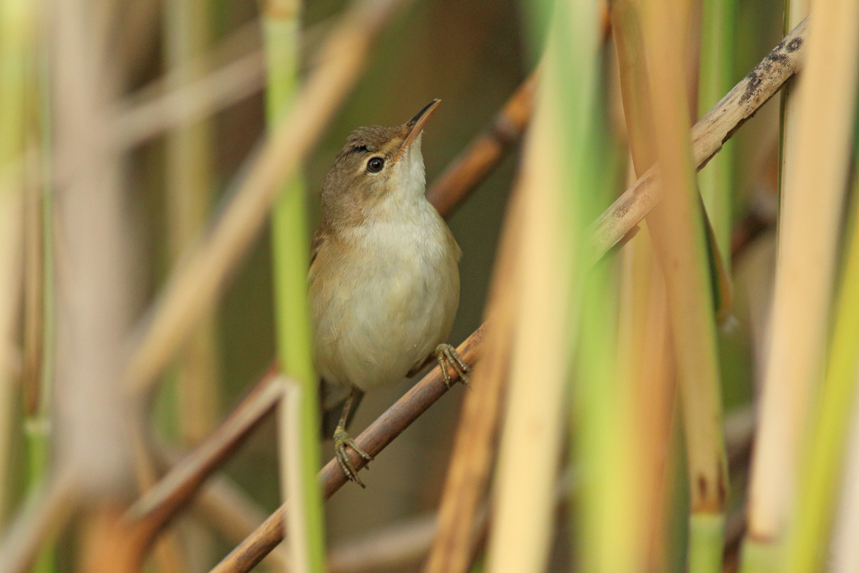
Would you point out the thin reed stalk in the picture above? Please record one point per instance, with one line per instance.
(647, 371)
(555, 175)
(820, 475)
(676, 227)
(678, 231)
(15, 56)
(815, 177)
(715, 79)
(794, 12)
(473, 453)
(39, 378)
(299, 415)
(189, 157)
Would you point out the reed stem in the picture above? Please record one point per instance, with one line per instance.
(292, 318)
(716, 79)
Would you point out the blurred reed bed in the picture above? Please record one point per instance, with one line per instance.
(640, 281)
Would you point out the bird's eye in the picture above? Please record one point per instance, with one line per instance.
(375, 165)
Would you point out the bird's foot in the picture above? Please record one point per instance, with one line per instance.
(449, 357)
(341, 440)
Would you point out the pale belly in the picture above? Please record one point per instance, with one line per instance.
(379, 316)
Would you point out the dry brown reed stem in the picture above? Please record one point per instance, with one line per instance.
(222, 505)
(676, 226)
(404, 544)
(795, 11)
(11, 238)
(197, 284)
(230, 511)
(137, 123)
(160, 503)
(708, 134)
(477, 433)
(814, 183)
(483, 154)
(34, 334)
(229, 73)
(643, 331)
(372, 440)
(647, 371)
(546, 266)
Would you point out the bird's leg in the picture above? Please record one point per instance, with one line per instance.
(342, 439)
(448, 356)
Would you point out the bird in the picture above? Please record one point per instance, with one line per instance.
(384, 274)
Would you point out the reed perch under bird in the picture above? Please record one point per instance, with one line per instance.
(384, 275)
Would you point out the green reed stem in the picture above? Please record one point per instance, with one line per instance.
(290, 252)
(716, 79)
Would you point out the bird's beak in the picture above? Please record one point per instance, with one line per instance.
(416, 125)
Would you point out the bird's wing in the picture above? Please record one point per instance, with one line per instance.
(318, 238)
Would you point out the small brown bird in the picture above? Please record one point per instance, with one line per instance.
(384, 275)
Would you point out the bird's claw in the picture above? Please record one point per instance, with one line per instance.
(448, 357)
(341, 440)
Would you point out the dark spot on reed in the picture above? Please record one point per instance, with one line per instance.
(702, 486)
(755, 80)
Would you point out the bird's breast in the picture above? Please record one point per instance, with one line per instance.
(384, 298)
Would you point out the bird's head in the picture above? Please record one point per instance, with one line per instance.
(376, 163)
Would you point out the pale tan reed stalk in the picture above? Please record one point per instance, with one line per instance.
(815, 178)
(190, 157)
(546, 298)
(678, 228)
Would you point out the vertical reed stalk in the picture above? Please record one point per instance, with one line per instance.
(647, 370)
(306, 536)
(474, 448)
(716, 79)
(189, 186)
(643, 333)
(815, 177)
(39, 409)
(557, 171)
(794, 12)
(820, 476)
(14, 47)
(677, 227)
(611, 536)
(654, 79)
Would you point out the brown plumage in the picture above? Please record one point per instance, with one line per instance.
(384, 280)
